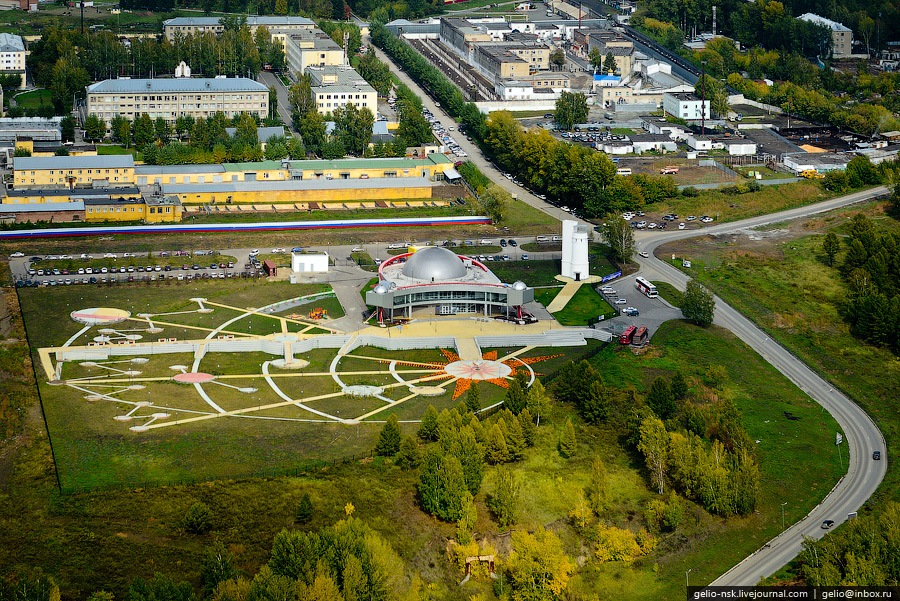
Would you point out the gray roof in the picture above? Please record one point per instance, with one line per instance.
(262, 133)
(177, 169)
(269, 21)
(11, 43)
(76, 193)
(181, 84)
(116, 161)
(814, 18)
(434, 264)
(156, 201)
(374, 183)
(49, 207)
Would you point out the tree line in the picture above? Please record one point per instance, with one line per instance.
(691, 441)
(870, 267)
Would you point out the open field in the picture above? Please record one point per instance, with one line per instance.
(780, 281)
(91, 532)
(33, 99)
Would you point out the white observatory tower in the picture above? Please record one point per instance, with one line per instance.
(575, 250)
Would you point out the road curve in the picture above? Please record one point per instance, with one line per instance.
(859, 431)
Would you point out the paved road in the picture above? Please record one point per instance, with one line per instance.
(284, 104)
(473, 150)
(859, 431)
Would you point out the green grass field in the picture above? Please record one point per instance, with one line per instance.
(585, 307)
(788, 291)
(33, 99)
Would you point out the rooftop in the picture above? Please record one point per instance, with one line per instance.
(158, 201)
(76, 193)
(434, 158)
(121, 161)
(316, 39)
(299, 185)
(177, 169)
(252, 21)
(11, 43)
(814, 18)
(180, 84)
(49, 207)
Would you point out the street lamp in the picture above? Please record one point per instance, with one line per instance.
(702, 98)
(782, 515)
(687, 579)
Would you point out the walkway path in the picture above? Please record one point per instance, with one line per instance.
(562, 299)
(467, 348)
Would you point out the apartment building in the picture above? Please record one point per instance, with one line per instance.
(311, 48)
(841, 35)
(333, 87)
(186, 25)
(12, 56)
(173, 98)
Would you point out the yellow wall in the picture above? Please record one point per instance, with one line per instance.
(304, 196)
(42, 178)
(38, 198)
(134, 212)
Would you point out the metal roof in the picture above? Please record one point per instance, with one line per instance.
(180, 84)
(298, 185)
(177, 169)
(434, 158)
(11, 43)
(252, 21)
(115, 161)
(816, 19)
(255, 166)
(77, 192)
(76, 205)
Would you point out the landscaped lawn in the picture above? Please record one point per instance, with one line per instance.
(585, 307)
(34, 99)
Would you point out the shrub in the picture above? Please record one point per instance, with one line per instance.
(198, 519)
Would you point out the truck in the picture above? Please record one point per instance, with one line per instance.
(669, 170)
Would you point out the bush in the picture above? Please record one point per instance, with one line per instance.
(198, 519)
(304, 512)
(690, 192)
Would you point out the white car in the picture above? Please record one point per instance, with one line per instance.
(278, 251)
(628, 216)
(84, 256)
(254, 252)
(706, 219)
(644, 254)
(16, 255)
(641, 225)
(65, 257)
(357, 249)
(109, 256)
(126, 255)
(621, 301)
(691, 218)
(682, 225)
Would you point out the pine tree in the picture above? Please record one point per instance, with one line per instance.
(428, 427)
(495, 447)
(515, 397)
(409, 456)
(660, 398)
(678, 386)
(831, 245)
(389, 441)
(529, 430)
(473, 399)
(568, 444)
(304, 511)
(596, 488)
(515, 440)
(442, 486)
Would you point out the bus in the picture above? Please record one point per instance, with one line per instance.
(628, 335)
(646, 288)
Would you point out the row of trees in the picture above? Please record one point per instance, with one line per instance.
(871, 269)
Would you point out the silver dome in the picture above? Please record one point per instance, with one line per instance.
(520, 285)
(380, 289)
(434, 264)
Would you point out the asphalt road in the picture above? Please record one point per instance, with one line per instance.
(284, 104)
(860, 433)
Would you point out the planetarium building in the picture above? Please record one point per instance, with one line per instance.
(447, 284)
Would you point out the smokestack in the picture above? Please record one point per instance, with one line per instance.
(714, 21)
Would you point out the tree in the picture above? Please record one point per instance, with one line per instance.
(568, 443)
(836, 181)
(831, 245)
(529, 429)
(466, 522)
(495, 450)
(679, 386)
(121, 130)
(571, 108)
(442, 486)
(557, 58)
(504, 499)
(661, 399)
(94, 128)
(304, 512)
(537, 567)
(68, 81)
(537, 400)
(21, 151)
(409, 457)
(414, 129)
(494, 201)
(595, 58)
(515, 397)
(61, 151)
(698, 305)
(217, 566)
(473, 403)
(197, 519)
(654, 445)
(68, 128)
(354, 127)
(389, 440)
(609, 63)
(620, 238)
(429, 425)
(893, 205)
(714, 92)
(142, 131)
(861, 172)
(515, 439)
(597, 485)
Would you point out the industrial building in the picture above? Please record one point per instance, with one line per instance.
(177, 97)
(311, 48)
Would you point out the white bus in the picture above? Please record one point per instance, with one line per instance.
(646, 288)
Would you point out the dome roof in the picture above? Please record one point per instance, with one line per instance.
(519, 285)
(434, 264)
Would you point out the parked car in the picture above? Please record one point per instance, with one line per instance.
(827, 524)
(631, 311)
(669, 170)
(644, 254)
(706, 219)
(16, 255)
(621, 301)
(876, 455)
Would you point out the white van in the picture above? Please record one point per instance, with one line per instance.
(623, 171)
(542, 239)
(486, 242)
